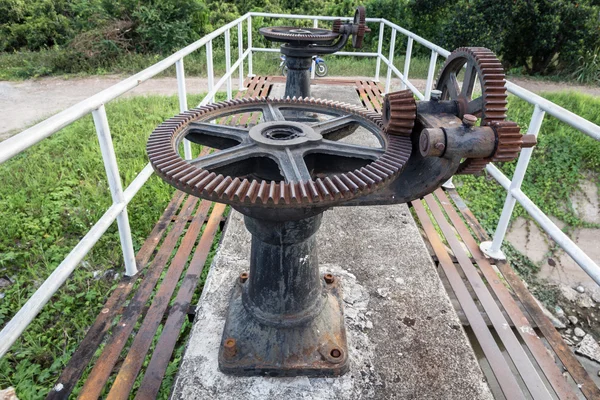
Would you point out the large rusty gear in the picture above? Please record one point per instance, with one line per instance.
(490, 107)
(399, 113)
(383, 165)
(360, 17)
(300, 35)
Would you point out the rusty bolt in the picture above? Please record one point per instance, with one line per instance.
(469, 120)
(329, 279)
(432, 142)
(440, 147)
(335, 353)
(243, 277)
(229, 347)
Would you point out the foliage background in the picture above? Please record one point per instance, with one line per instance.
(538, 37)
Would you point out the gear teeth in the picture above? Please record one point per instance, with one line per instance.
(399, 113)
(494, 107)
(337, 26)
(161, 149)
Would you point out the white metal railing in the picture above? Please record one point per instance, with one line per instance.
(118, 210)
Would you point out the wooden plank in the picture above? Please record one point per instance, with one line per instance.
(143, 338)
(159, 362)
(534, 343)
(264, 92)
(498, 364)
(528, 373)
(95, 334)
(103, 367)
(363, 95)
(579, 374)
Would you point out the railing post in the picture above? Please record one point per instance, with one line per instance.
(116, 188)
(430, 74)
(388, 79)
(240, 55)
(379, 48)
(209, 68)
(313, 65)
(228, 62)
(409, 45)
(493, 248)
(187, 148)
(250, 46)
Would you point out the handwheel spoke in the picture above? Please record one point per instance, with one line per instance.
(272, 113)
(453, 87)
(292, 165)
(345, 123)
(475, 107)
(347, 150)
(225, 157)
(469, 80)
(217, 130)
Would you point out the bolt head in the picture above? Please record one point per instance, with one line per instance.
(469, 120)
(243, 277)
(329, 278)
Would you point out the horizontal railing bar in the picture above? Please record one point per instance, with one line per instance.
(441, 51)
(16, 144)
(32, 307)
(312, 17)
(339, 53)
(566, 116)
(582, 259)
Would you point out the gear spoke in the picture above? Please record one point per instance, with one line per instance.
(469, 80)
(453, 87)
(346, 150)
(272, 113)
(292, 166)
(475, 107)
(335, 125)
(226, 157)
(221, 131)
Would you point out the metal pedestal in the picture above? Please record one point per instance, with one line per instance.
(284, 318)
(297, 83)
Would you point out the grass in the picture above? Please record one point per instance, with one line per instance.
(50, 195)
(563, 158)
(56, 62)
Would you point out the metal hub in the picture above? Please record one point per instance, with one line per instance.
(283, 134)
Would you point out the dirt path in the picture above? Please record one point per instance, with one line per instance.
(24, 103)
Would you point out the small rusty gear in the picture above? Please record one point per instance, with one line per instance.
(481, 65)
(296, 34)
(399, 113)
(510, 141)
(360, 17)
(384, 166)
(337, 26)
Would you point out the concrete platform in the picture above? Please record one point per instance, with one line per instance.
(405, 339)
